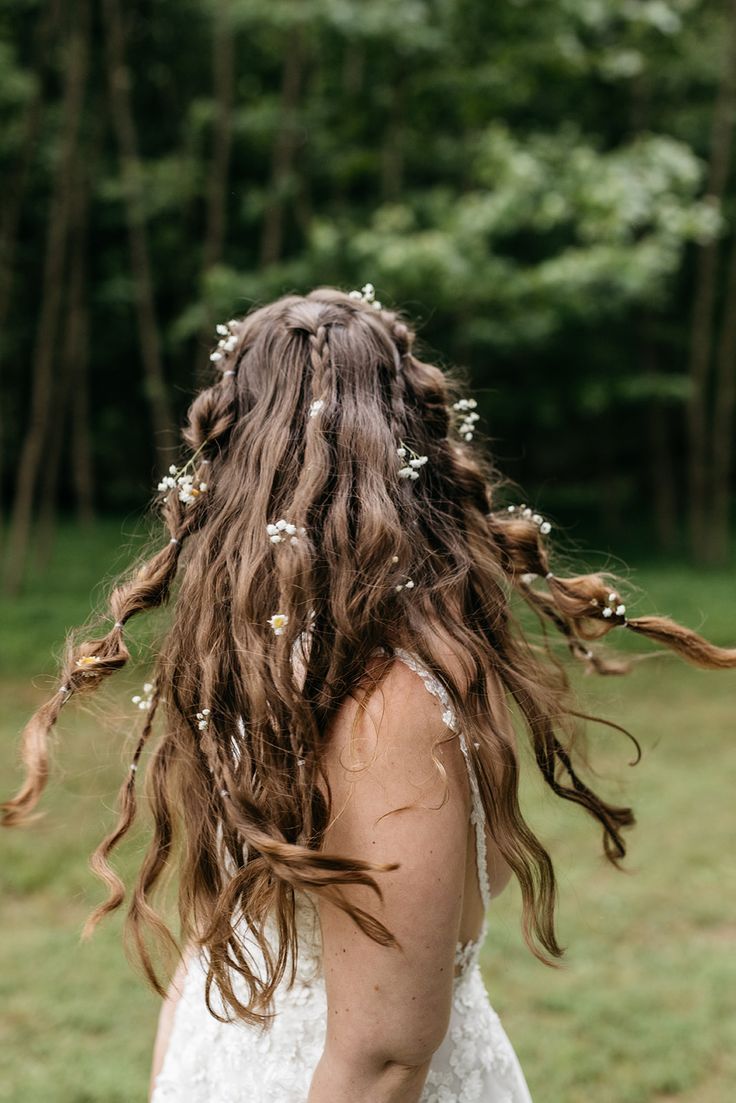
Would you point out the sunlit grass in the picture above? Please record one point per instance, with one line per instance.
(644, 1008)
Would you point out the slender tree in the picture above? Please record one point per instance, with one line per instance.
(132, 179)
(34, 442)
(284, 149)
(706, 277)
(223, 71)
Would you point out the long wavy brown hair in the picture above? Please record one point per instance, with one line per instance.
(314, 398)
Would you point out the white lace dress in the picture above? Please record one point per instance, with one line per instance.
(212, 1062)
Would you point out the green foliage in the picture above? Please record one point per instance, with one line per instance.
(526, 179)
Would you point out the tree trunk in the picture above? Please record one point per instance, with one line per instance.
(15, 192)
(723, 422)
(130, 171)
(56, 241)
(704, 304)
(223, 67)
(73, 363)
(284, 151)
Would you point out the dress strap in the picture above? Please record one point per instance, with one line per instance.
(477, 814)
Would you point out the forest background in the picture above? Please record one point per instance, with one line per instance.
(548, 189)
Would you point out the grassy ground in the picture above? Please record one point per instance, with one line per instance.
(644, 1007)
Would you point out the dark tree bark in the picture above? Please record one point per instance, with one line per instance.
(14, 193)
(704, 303)
(223, 68)
(723, 422)
(130, 170)
(72, 371)
(284, 150)
(56, 242)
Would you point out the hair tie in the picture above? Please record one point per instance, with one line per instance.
(549, 575)
(228, 372)
(173, 540)
(118, 624)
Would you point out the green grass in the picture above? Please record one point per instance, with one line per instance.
(644, 1007)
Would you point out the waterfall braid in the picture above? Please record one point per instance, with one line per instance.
(293, 531)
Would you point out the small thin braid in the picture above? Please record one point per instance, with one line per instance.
(127, 806)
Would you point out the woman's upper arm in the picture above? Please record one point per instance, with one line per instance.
(386, 1003)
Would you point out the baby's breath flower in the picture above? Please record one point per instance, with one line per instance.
(408, 585)
(144, 701)
(228, 341)
(279, 530)
(368, 295)
(182, 480)
(409, 470)
(203, 719)
(466, 406)
(316, 406)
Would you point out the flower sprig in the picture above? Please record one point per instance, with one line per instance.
(367, 294)
(467, 426)
(615, 606)
(228, 340)
(144, 700)
(203, 719)
(410, 469)
(279, 530)
(182, 480)
(529, 515)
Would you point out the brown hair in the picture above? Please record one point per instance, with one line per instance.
(234, 794)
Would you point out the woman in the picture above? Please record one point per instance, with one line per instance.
(335, 780)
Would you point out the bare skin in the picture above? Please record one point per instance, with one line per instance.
(388, 1012)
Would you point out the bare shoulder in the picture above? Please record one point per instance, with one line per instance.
(390, 735)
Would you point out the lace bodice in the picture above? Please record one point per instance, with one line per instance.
(212, 1062)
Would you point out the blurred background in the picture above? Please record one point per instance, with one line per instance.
(548, 190)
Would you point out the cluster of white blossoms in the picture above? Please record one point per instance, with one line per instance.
(408, 585)
(203, 719)
(614, 606)
(316, 406)
(529, 515)
(467, 426)
(143, 701)
(279, 530)
(178, 479)
(228, 341)
(278, 623)
(367, 294)
(410, 469)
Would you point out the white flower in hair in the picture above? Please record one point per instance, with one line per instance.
(279, 530)
(316, 406)
(467, 425)
(228, 341)
(144, 700)
(368, 295)
(278, 623)
(203, 719)
(410, 470)
(182, 480)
